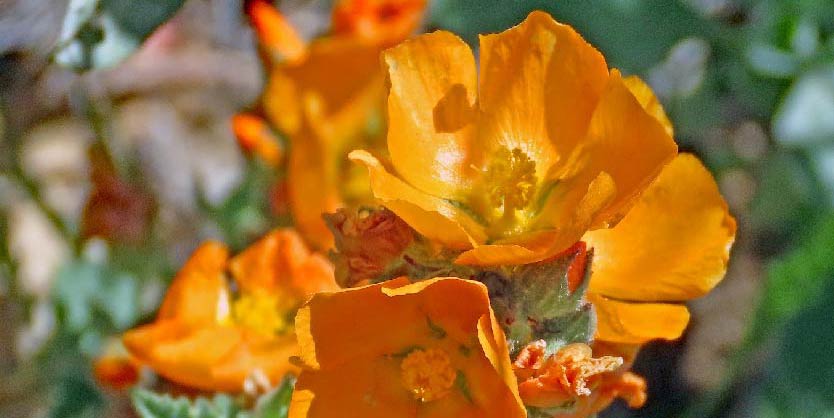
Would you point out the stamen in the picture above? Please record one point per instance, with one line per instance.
(428, 374)
(511, 180)
(261, 313)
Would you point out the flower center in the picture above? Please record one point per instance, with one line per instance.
(511, 180)
(261, 313)
(428, 374)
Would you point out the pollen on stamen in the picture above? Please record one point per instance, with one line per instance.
(260, 313)
(511, 180)
(428, 374)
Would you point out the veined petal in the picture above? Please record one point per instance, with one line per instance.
(673, 245)
(644, 94)
(433, 217)
(199, 293)
(431, 110)
(627, 143)
(637, 323)
(539, 85)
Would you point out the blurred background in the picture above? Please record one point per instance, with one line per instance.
(117, 158)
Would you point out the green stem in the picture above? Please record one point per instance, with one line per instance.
(17, 175)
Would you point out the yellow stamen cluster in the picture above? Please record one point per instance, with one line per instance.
(511, 180)
(261, 313)
(428, 374)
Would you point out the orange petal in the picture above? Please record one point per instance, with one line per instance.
(199, 294)
(644, 94)
(626, 142)
(673, 245)
(313, 187)
(346, 393)
(185, 354)
(256, 137)
(116, 372)
(637, 323)
(539, 85)
(275, 33)
(280, 262)
(399, 308)
(431, 112)
(435, 218)
(381, 22)
(494, 343)
(257, 354)
(351, 360)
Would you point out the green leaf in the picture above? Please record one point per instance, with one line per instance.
(276, 404)
(75, 289)
(786, 195)
(75, 397)
(155, 405)
(102, 33)
(88, 291)
(624, 46)
(244, 215)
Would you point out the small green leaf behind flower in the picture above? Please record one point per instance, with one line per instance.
(276, 404)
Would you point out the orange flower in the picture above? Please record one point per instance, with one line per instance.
(514, 165)
(609, 386)
(379, 22)
(517, 164)
(328, 99)
(573, 384)
(207, 338)
(394, 349)
(551, 381)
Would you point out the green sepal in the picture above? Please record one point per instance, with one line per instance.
(421, 261)
(534, 302)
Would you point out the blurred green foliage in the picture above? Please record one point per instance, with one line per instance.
(102, 33)
(274, 404)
